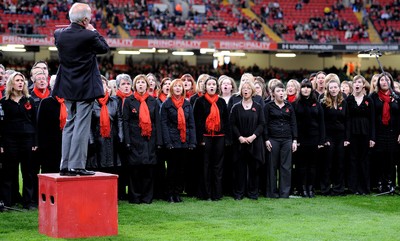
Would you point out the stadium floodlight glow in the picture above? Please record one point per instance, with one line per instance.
(229, 53)
(183, 53)
(128, 52)
(285, 55)
(14, 46)
(366, 55)
(237, 54)
(53, 49)
(206, 50)
(215, 63)
(11, 49)
(152, 50)
(162, 51)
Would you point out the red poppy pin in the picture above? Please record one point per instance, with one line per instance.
(253, 109)
(287, 110)
(28, 105)
(315, 104)
(366, 102)
(134, 110)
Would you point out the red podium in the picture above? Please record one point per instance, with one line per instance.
(78, 207)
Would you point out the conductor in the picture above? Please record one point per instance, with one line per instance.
(78, 82)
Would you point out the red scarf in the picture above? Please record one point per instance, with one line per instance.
(213, 121)
(385, 97)
(181, 117)
(105, 126)
(63, 112)
(2, 88)
(189, 94)
(162, 97)
(291, 98)
(122, 95)
(40, 94)
(144, 114)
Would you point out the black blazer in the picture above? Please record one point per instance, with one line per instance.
(78, 76)
(201, 111)
(169, 125)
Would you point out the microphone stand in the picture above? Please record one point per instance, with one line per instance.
(378, 54)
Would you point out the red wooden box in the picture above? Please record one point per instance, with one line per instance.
(77, 207)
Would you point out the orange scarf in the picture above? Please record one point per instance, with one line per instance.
(162, 97)
(105, 126)
(63, 112)
(181, 116)
(213, 121)
(40, 94)
(385, 97)
(144, 114)
(291, 98)
(122, 95)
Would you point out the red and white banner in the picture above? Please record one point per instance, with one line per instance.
(151, 43)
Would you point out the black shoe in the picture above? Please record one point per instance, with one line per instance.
(80, 172)
(64, 172)
(170, 199)
(380, 187)
(177, 199)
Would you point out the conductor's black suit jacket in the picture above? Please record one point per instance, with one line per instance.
(78, 76)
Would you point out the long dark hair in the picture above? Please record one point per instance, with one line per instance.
(307, 83)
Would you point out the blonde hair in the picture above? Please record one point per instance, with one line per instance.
(233, 83)
(348, 83)
(173, 83)
(245, 77)
(10, 89)
(296, 86)
(250, 84)
(202, 77)
(328, 98)
(373, 87)
(139, 77)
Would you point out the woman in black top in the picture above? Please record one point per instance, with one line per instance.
(387, 127)
(141, 121)
(18, 139)
(247, 122)
(337, 137)
(179, 137)
(211, 118)
(362, 137)
(280, 134)
(106, 133)
(311, 136)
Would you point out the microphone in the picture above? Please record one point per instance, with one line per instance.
(368, 51)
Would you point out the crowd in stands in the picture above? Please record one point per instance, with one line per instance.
(148, 21)
(386, 20)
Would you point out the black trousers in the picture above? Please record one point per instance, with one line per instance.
(280, 159)
(306, 164)
(358, 176)
(333, 169)
(227, 179)
(245, 176)
(159, 175)
(141, 184)
(212, 168)
(18, 150)
(175, 170)
(385, 148)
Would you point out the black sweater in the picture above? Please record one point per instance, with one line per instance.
(201, 111)
(280, 122)
(19, 118)
(337, 121)
(362, 117)
(310, 122)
